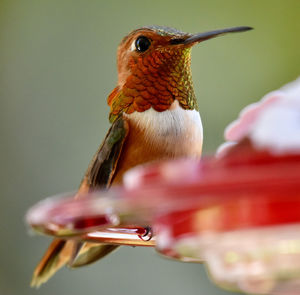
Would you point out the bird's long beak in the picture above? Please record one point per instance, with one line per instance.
(196, 38)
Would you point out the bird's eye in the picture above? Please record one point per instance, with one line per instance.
(142, 43)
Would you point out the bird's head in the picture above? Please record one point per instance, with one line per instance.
(154, 69)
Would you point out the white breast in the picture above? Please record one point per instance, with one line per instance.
(179, 131)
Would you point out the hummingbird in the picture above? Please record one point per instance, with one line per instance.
(154, 116)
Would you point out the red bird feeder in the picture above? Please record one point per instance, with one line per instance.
(238, 213)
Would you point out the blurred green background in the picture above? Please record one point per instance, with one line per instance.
(57, 66)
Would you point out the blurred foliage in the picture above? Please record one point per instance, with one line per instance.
(57, 66)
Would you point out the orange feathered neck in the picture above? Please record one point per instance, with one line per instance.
(155, 83)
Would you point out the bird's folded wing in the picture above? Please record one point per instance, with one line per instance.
(99, 174)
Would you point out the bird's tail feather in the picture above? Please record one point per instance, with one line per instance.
(51, 262)
(61, 253)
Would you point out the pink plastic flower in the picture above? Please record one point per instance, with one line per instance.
(271, 123)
